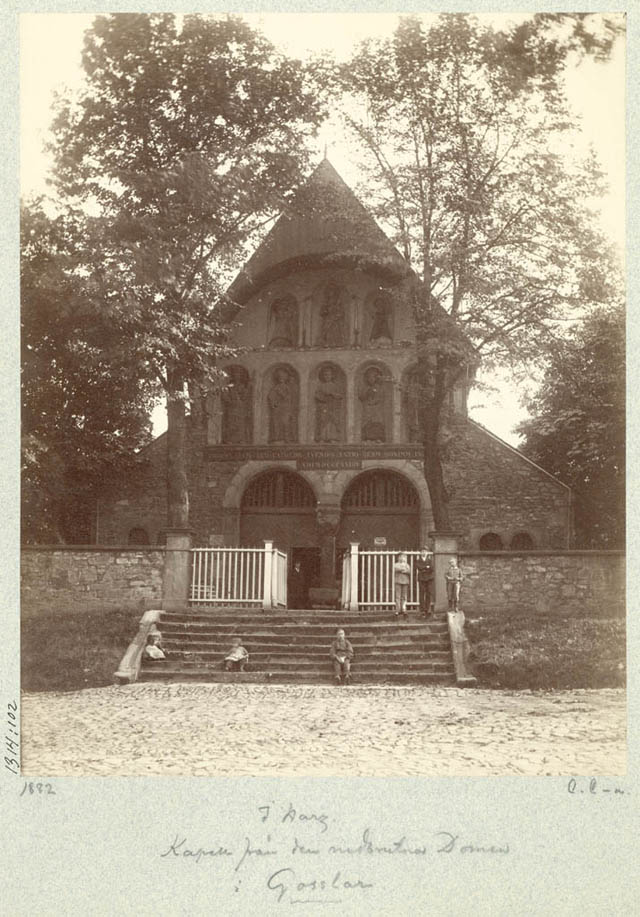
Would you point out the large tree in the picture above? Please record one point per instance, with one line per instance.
(466, 137)
(577, 427)
(185, 137)
(85, 412)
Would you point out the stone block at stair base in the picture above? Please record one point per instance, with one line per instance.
(323, 597)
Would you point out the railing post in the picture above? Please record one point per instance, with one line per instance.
(267, 596)
(353, 597)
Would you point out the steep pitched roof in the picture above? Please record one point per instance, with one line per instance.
(324, 224)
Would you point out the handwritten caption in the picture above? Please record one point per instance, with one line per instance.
(302, 861)
(12, 739)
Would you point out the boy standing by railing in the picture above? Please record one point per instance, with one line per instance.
(401, 579)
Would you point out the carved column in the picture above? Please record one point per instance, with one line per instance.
(328, 519)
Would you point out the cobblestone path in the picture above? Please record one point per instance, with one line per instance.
(287, 730)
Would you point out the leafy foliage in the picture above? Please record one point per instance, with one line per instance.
(577, 428)
(185, 139)
(465, 135)
(85, 409)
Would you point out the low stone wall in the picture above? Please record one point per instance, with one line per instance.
(574, 582)
(55, 579)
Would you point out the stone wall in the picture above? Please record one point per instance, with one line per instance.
(55, 579)
(575, 582)
(494, 488)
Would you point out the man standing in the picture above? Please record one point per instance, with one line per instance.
(297, 588)
(424, 567)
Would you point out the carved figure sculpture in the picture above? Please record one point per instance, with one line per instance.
(281, 401)
(236, 411)
(380, 322)
(332, 317)
(372, 398)
(284, 323)
(329, 399)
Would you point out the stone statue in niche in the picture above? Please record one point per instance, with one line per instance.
(329, 399)
(332, 316)
(372, 397)
(282, 404)
(236, 410)
(413, 408)
(283, 330)
(381, 321)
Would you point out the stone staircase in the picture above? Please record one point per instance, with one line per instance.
(293, 647)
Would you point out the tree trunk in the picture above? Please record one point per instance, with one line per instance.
(432, 418)
(177, 485)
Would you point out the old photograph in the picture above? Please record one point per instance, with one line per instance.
(323, 395)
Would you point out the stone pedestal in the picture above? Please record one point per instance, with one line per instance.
(177, 569)
(445, 547)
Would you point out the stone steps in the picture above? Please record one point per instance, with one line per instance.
(293, 647)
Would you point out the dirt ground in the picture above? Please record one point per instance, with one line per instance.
(286, 730)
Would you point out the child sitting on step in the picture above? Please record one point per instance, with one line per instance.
(153, 650)
(237, 657)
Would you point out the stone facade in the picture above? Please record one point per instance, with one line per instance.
(586, 583)
(314, 442)
(101, 579)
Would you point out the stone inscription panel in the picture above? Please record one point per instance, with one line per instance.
(309, 457)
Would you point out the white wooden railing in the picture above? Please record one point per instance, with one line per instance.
(239, 576)
(367, 579)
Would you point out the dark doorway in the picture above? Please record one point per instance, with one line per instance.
(309, 560)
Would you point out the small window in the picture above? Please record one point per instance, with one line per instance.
(490, 541)
(138, 536)
(522, 542)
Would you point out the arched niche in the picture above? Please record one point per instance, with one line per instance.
(281, 404)
(329, 407)
(522, 541)
(374, 403)
(138, 536)
(237, 407)
(378, 322)
(491, 541)
(283, 322)
(331, 325)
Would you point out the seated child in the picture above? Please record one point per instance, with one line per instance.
(237, 657)
(341, 654)
(153, 650)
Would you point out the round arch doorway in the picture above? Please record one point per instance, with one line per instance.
(279, 504)
(380, 504)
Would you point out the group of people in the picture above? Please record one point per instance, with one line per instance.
(425, 575)
(341, 651)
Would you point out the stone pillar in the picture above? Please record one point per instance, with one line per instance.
(326, 595)
(177, 569)
(353, 560)
(267, 595)
(445, 547)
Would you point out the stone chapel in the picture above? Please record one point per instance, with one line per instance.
(315, 443)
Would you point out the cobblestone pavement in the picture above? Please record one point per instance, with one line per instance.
(286, 730)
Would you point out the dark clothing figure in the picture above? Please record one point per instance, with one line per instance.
(424, 569)
(297, 588)
(341, 655)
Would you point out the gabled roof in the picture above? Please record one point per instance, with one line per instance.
(324, 224)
